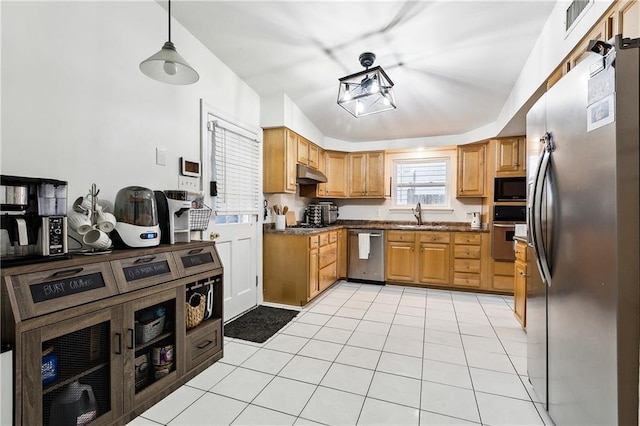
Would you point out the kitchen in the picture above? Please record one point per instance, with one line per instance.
(94, 110)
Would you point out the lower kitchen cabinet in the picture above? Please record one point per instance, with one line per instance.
(296, 268)
(456, 260)
(435, 258)
(419, 258)
(107, 360)
(400, 257)
(502, 276)
(467, 253)
(520, 283)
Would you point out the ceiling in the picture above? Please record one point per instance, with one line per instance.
(453, 63)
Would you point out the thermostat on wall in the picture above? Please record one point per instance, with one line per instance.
(189, 168)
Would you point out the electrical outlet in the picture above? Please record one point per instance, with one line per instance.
(188, 183)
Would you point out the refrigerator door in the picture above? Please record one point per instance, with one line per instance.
(536, 290)
(582, 355)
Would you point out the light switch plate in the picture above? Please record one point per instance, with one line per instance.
(161, 156)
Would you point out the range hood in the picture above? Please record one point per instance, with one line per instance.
(308, 176)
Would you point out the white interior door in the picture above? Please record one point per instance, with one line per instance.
(237, 248)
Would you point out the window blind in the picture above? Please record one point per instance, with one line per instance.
(236, 168)
(423, 181)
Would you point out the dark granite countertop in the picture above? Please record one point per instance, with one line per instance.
(269, 228)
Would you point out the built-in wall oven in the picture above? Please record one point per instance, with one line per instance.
(505, 219)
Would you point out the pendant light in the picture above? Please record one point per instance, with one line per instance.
(168, 66)
(366, 92)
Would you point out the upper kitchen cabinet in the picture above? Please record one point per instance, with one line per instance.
(471, 170)
(511, 156)
(366, 174)
(308, 153)
(280, 159)
(336, 170)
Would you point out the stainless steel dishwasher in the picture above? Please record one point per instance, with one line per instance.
(369, 268)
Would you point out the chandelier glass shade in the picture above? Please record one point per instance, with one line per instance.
(167, 65)
(366, 92)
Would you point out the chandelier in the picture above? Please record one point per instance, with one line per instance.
(366, 92)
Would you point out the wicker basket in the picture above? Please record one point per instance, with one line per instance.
(150, 330)
(199, 218)
(194, 311)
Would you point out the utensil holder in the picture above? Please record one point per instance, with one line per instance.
(280, 222)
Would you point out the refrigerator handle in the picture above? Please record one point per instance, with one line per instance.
(539, 246)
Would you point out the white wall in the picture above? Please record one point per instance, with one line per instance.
(76, 107)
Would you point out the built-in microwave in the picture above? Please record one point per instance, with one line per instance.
(510, 189)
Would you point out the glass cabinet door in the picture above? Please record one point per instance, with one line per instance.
(73, 381)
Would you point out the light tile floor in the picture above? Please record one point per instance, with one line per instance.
(370, 355)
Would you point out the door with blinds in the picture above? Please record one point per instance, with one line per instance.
(234, 158)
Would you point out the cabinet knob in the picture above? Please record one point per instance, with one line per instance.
(522, 273)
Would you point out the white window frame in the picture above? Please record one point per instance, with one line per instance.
(447, 184)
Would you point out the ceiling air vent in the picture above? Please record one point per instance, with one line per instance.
(574, 11)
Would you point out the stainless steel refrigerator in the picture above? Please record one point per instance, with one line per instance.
(583, 315)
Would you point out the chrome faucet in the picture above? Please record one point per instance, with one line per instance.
(417, 212)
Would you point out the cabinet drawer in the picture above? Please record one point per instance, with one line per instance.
(195, 260)
(401, 236)
(328, 275)
(466, 252)
(327, 255)
(434, 237)
(333, 237)
(49, 291)
(314, 242)
(203, 342)
(521, 252)
(324, 239)
(144, 271)
(470, 238)
(467, 265)
(463, 279)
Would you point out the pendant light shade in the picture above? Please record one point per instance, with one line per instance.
(366, 92)
(168, 66)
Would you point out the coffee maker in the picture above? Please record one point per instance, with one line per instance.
(33, 220)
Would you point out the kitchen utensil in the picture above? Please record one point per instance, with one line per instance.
(280, 222)
(77, 205)
(285, 209)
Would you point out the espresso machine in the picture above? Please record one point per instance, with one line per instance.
(33, 220)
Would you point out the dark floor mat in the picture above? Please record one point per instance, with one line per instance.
(259, 324)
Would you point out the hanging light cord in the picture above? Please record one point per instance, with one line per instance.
(169, 21)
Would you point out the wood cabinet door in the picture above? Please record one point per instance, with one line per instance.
(302, 151)
(520, 293)
(291, 149)
(88, 349)
(507, 157)
(139, 340)
(337, 170)
(357, 175)
(313, 156)
(401, 262)
(511, 156)
(435, 261)
(471, 170)
(342, 253)
(321, 188)
(314, 288)
(375, 174)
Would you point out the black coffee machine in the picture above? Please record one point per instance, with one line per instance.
(33, 220)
